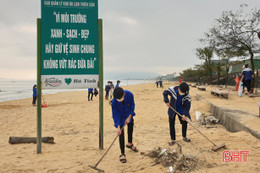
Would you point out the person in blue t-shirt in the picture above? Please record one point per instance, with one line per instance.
(117, 83)
(34, 95)
(123, 107)
(90, 92)
(247, 75)
(181, 102)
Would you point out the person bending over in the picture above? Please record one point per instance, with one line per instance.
(181, 102)
(123, 107)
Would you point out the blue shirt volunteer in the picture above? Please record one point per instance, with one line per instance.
(122, 110)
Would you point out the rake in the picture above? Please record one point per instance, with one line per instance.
(216, 147)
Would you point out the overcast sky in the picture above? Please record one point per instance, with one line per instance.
(140, 36)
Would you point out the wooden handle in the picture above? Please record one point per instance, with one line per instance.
(108, 148)
(188, 120)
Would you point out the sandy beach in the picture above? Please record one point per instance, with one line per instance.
(73, 121)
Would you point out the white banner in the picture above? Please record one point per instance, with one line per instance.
(69, 81)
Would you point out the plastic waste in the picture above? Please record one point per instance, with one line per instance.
(240, 89)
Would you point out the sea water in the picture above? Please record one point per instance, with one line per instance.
(20, 89)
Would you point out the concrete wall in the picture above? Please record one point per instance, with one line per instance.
(231, 121)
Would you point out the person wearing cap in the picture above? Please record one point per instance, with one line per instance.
(247, 75)
(181, 102)
(34, 95)
(117, 83)
(123, 107)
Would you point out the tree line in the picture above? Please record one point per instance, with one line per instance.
(234, 34)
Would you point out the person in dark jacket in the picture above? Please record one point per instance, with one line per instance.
(107, 89)
(123, 107)
(34, 95)
(181, 102)
(95, 92)
(247, 75)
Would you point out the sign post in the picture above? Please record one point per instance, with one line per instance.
(68, 44)
(101, 95)
(39, 90)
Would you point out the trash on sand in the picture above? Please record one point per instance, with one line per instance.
(198, 115)
(170, 170)
(211, 120)
(205, 119)
(174, 158)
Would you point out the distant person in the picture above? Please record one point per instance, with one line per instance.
(34, 95)
(181, 102)
(90, 93)
(157, 82)
(107, 89)
(179, 80)
(117, 83)
(243, 67)
(123, 107)
(111, 91)
(95, 92)
(160, 82)
(247, 76)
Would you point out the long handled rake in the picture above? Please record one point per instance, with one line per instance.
(95, 166)
(216, 147)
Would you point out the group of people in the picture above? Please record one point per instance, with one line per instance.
(159, 83)
(123, 112)
(109, 88)
(92, 92)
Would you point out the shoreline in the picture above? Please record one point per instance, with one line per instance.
(24, 93)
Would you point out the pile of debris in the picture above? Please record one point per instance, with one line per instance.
(174, 159)
(205, 119)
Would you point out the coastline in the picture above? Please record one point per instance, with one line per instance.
(22, 89)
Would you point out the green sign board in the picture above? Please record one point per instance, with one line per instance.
(69, 43)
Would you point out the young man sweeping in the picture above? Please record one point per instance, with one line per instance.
(180, 101)
(123, 107)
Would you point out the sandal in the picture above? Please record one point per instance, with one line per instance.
(186, 139)
(171, 143)
(123, 160)
(132, 147)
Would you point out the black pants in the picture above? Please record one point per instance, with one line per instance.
(34, 100)
(172, 127)
(130, 129)
(107, 92)
(90, 93)
(248, 85)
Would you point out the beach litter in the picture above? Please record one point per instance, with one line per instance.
(205, 119)
(174, 159)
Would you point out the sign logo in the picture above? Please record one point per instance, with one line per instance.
(230, 156)
(53, 82)
(68, 80)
